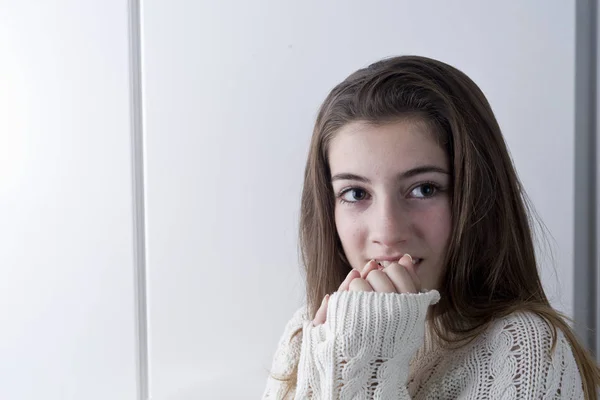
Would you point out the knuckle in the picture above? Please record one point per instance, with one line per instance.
(375, 274)
(400, 277)
(397, 269)
(380, 281)
(357, 284)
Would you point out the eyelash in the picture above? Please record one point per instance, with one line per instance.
(436, 190)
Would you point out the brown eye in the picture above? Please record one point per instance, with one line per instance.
(424, 191)
(353, 195)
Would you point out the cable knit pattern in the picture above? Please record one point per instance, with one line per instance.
(372, 346)
(364, 348)
(511, 360)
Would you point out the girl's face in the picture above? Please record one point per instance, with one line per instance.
(392, 195)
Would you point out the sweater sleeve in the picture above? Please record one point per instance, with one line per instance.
(364, 348)
(521, 364)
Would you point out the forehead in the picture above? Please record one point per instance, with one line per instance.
(400, 145)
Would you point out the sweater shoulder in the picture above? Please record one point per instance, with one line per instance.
(527, 334)
(287, 356)
(290, 336)
(534, 354)
(299, 317)
(527, 328)
(523, 323)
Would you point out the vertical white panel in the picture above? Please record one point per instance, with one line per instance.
(231, 93)
(66, 250)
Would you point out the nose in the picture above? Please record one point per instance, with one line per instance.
(390, 223)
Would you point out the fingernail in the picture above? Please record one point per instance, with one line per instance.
(409, 256)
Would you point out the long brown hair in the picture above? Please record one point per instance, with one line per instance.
(490, 269)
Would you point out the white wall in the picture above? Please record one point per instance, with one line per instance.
(66, 251)
(231, 90)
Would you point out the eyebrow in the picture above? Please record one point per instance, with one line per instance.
(404, 175)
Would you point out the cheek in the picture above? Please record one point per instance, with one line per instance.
(349, 230)
(343, 225)
(435, 225)
(443, 225)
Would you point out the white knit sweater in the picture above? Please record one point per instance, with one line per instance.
(373, 346)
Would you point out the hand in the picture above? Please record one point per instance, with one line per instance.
(322, 311)
(398, 277)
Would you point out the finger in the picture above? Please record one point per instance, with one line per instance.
(321, 314)
(352, 275)
(380, 282)
(407, 262)
(360, 285)
(371, 266)
(400, 278)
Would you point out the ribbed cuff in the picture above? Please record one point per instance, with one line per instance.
(364, 348)
(386, 323)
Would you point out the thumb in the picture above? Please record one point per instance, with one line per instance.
(321, 314)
